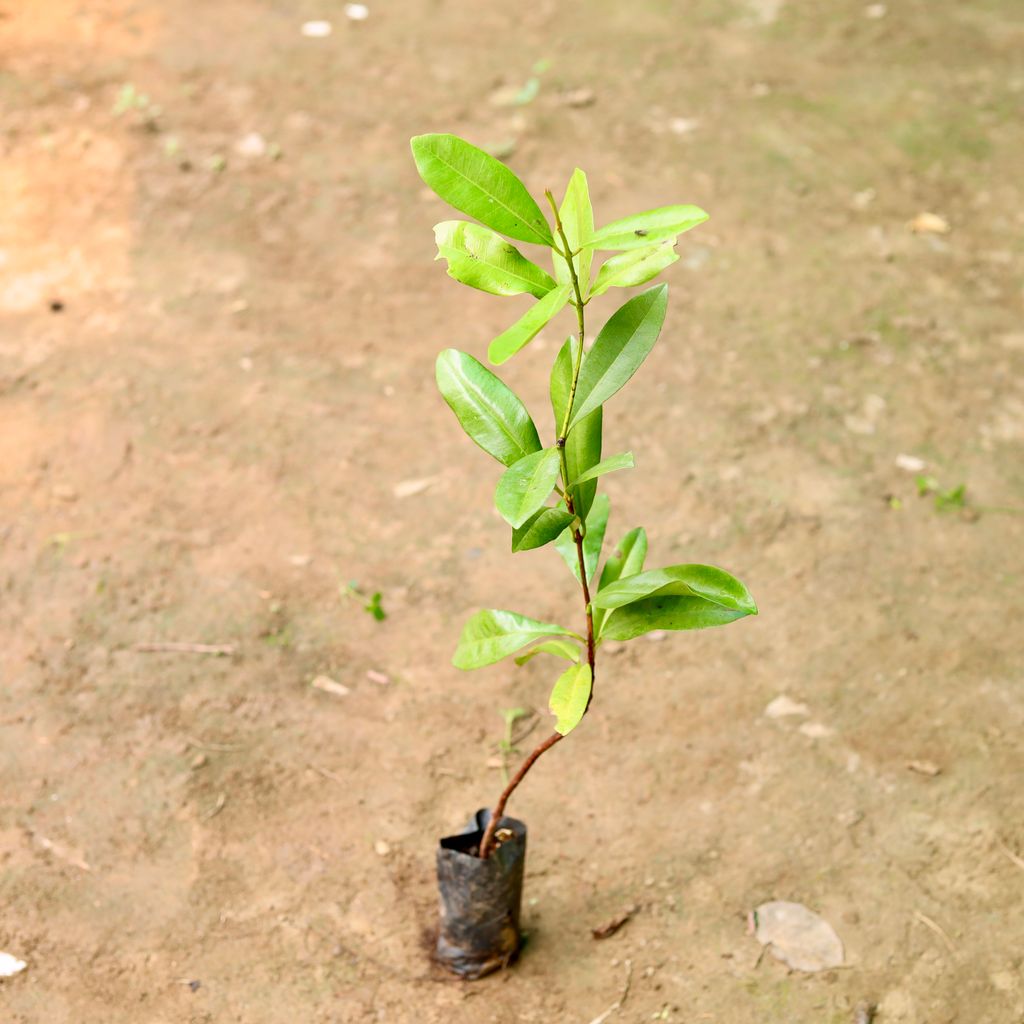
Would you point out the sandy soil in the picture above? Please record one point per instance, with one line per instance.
(202, 443)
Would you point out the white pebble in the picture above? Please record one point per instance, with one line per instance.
(316, 29)
(357, 12)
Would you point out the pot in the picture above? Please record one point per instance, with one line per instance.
(480, 899)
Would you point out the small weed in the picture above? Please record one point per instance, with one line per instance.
(372, 603)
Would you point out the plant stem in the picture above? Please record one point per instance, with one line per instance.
(487, 843)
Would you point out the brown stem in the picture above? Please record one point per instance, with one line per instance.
(487, 843)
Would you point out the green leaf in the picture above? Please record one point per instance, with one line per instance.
(492, 634)
(627, 560)
(484, 188)
(570, 697)
(637, 266)
(577, 216)
(479, 257)
(702, 581)
(619, 350)
(609, 465)
(559, 648)
(666, 612)
(526, 485)
(528, 326)
(489, 412)
(583, 445)
(644, 229)
(597, 523)
(540, 529)
(679, 597)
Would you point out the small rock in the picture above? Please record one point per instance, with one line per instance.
(329, 685)
(251, 145)
(863, 199)
(929, 224)
(800, 938)
(316, 29)
(357, 12)
(783, 707)
(198, 761)
(10, 965)
(817, 731)
(300, 561)
(408, 488)
(65, 492)
(378, 677)
(579, 98)
(929, 768)
(683, 125)
(495, 762)
(382, 847)
(875, 11)
(910, 463)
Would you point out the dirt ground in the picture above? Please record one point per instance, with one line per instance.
(201, 442)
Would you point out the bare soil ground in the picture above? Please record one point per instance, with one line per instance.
(204, 440)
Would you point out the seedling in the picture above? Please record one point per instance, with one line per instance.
(548, 491)
(372, 604)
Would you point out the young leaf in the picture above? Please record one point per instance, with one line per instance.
(478, 185)
(583, 445)
(627, 560)
(637, 266)
(597, 523)
(644, 229)
(489, 412)
(559, 648)
(570, 697)
(540, 529)
(577, 216)
(609, 465)
(526, 485)
(528, 326)
(620, 348)
(479, 257)
(492, 634)
(702, 581)
(666, 612)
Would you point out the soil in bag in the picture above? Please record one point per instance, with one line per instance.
(480, 899)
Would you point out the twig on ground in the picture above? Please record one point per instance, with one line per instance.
(327, 774)
(1019, 861)
(60, 851)
(180, 647)
(929, 923)
(617, 1005)
(217, 807)
(603, 931)
(864, 1013)
(217, 748)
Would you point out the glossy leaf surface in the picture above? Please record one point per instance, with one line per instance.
(488, 410)
(528, 326)
(597, 523)
(644, 229)
(570, 696)
(620, 348)
(609, 465)
(637, 266)
(665, 612)
(481, 187)
(627, 560)
(525, 486)
(577, 216)
(481, 258)
(540, 529)
(703, 581)
(493, 634)
(559, 648)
